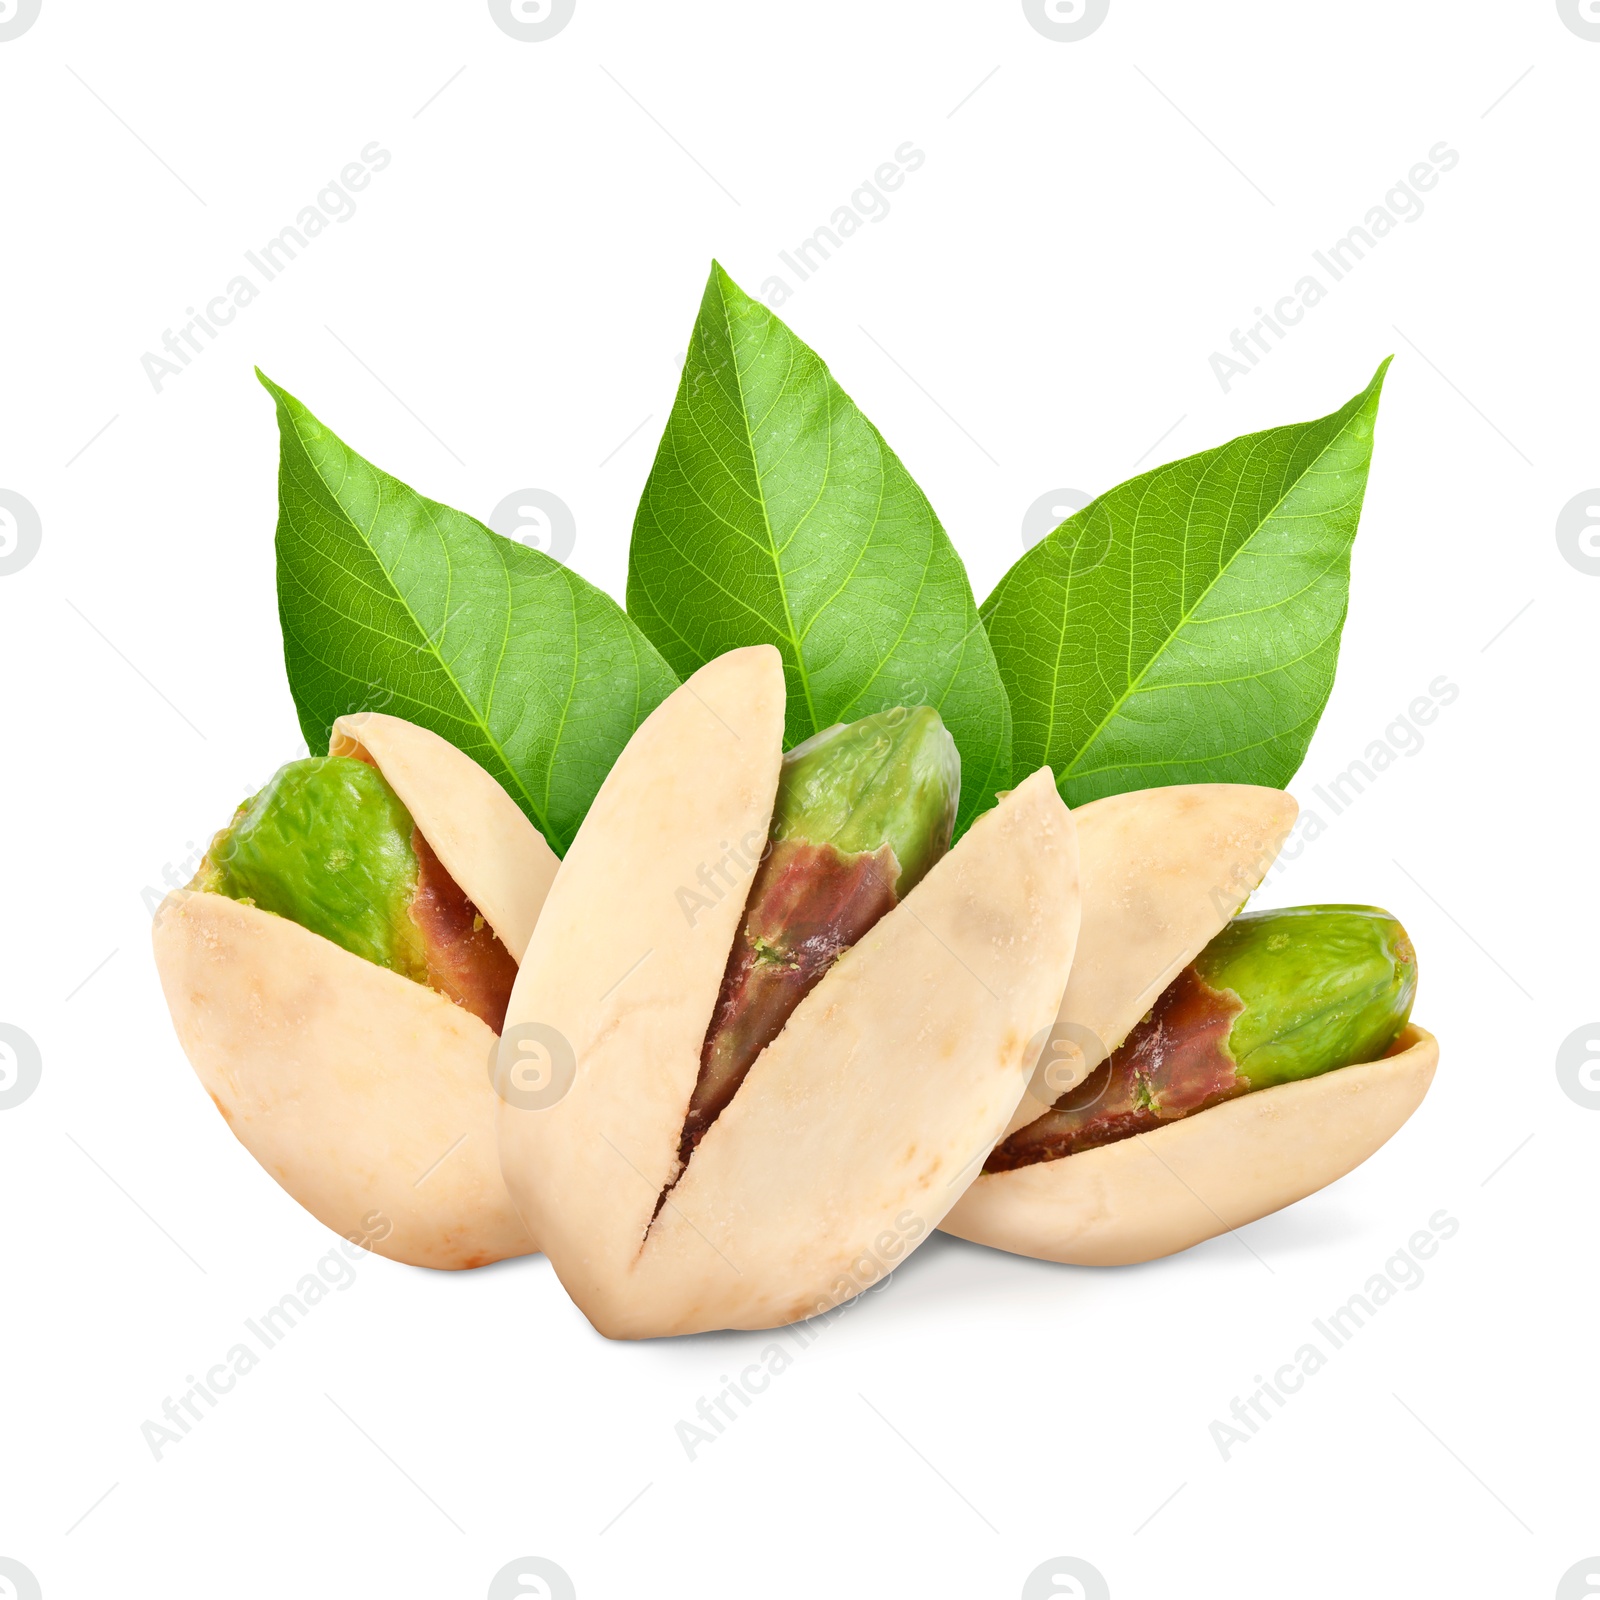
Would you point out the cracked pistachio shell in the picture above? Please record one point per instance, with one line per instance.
(857, 1126)
(366, 1096)
(1164, 870)
(1190, 1180)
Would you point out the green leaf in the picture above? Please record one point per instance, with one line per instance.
(393, 602)
(1184, 627)
(776, 514)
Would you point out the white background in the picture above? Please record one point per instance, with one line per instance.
(508, 304)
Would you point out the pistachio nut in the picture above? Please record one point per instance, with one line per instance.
(1273, 1054)
(337, 972)
(856, 1127)
(1276, 997)
(863, 811)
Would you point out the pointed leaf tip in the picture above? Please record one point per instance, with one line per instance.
(1121, 678)
(391, 601)
(772, 483)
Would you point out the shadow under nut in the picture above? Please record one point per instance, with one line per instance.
(1163, 1191)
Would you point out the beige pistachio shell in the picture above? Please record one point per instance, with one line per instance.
(365, 1095)
(1164, 871)
(476, 829)
(857, 1127)
(1208, 1173)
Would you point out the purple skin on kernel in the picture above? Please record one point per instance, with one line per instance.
(466, 961)
(808, 903)
(1175, 1062)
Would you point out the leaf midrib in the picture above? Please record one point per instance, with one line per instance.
(766, 516)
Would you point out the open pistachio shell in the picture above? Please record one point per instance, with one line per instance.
(365, 1095)
(1164, 871)
(1206, 1174)
(857, 1126)
(476, 829)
